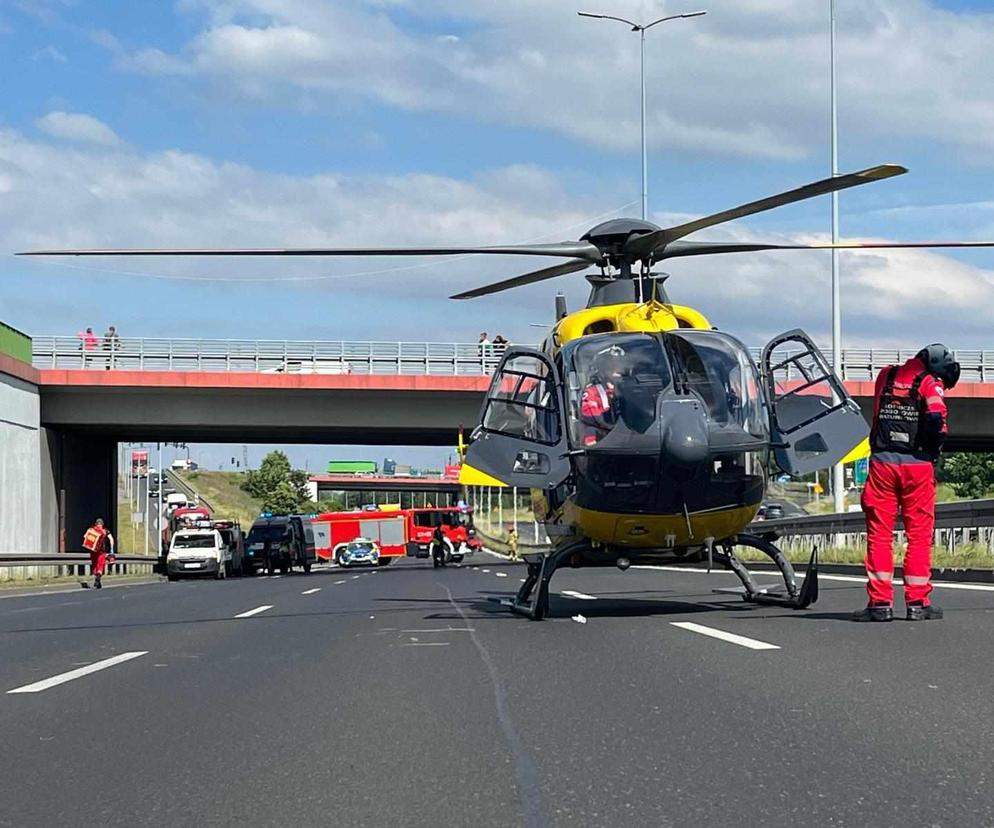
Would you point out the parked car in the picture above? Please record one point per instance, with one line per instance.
(774, 511)
(197, 552)
(358, 551)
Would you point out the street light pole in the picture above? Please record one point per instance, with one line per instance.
(838, 473)
(642, 28)
(645, 152)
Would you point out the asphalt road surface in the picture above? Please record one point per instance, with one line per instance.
(404, 696)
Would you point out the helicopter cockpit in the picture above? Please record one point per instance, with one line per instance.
(616, 380)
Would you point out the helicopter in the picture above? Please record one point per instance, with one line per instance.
(644, 433)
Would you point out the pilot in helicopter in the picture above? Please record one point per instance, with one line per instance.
(600, 400)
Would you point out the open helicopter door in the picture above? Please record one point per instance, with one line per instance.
(521, 438)
(814, 423)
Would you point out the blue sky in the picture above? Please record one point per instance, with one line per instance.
(270, 122)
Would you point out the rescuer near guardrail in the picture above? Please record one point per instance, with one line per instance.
(909, 427)
(99, 542)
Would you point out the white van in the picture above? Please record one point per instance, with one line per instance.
(197, 552)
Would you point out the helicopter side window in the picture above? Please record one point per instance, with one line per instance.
(718, 369)
(522, 402)
(615, 379)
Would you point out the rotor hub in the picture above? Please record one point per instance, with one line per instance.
(611, 237)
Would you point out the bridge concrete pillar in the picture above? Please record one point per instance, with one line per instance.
(82, 485)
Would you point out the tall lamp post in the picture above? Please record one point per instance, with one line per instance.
(642, 28)
(838, 473)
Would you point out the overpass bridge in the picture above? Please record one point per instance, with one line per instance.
(72, 405)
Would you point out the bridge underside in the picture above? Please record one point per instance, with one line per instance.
(318, 416)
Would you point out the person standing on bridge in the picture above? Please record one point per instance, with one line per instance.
(99, 543)
(909, 427)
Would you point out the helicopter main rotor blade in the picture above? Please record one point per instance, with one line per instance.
(680, 249)
(576, 249)
(526, 279)
(641, 247)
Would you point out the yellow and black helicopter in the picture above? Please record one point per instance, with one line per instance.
(643, 432)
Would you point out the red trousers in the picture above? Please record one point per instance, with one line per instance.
(910, 489)
(98, 562)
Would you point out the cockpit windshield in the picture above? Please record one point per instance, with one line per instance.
(718, 368)
(614, 379)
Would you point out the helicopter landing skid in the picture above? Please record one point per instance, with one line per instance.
(794, 598)
(540, 572)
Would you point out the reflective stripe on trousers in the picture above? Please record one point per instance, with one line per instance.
(908, 489)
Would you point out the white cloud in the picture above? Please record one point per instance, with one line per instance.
(51, 53)
(58, 196)
(750, 79)
(74, 126)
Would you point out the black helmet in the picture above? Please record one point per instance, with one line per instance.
(939, 361)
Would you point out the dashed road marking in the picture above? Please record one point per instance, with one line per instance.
(62, 678)
(581, 595)
(501, 574)
(731, 638)
(338, 582)
(311, 591)
(256, 611)
(427, 644)
(485, 571)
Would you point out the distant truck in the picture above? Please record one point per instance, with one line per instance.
(334, 531)
(400, 533)
(279, 543)
(351, 467)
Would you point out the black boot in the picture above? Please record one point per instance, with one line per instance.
(923, 612)
(884, 613)
(96, 582)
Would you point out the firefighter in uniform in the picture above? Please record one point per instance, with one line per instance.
(438, 547)
(909, 426)
(99, 543)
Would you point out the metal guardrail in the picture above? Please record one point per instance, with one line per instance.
(267, 356)
(67, 558)
(391, 358)
(967, 514)
(181, 485)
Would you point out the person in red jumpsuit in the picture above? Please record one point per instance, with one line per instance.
(99, 543)
(909, 426)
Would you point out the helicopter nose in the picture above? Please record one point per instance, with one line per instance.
(685, 433)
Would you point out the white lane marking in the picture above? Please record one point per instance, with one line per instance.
(486, 571)
(338, 582)
(731, 638)
(256, 611)
(852, 579)
(62, 678)
(521, 579)
(311, 591)
(501, 574)
(355, 577)
(581, 595)
(277, 576)
(438, 630)
(427, 644)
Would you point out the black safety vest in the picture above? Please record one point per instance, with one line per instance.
(899, 424)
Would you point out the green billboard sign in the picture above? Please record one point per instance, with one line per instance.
(15, 344)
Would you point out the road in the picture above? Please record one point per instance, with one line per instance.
(404, 696)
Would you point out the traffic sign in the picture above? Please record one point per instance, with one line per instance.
(862, 471)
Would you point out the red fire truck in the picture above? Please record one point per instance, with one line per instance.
(400, 533)
(457, 526)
